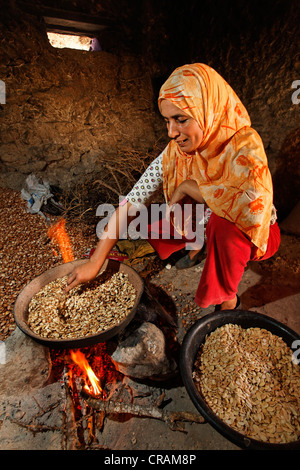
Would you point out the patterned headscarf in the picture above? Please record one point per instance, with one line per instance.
(230, 166)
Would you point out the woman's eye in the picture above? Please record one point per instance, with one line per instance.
(178, 120)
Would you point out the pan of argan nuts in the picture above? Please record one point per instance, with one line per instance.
(88, 314)
(241, 370)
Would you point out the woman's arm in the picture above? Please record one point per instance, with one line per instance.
(117, 225)
(186, 188)
(148, 183)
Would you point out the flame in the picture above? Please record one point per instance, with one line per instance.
(79, 358)
(58, 235)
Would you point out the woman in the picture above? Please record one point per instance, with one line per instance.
(214, 157)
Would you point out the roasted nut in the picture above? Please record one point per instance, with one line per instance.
(249, 380)
(85, 310)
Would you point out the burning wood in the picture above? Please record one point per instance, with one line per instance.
(172, 418)
(100, 402)
(79, 358)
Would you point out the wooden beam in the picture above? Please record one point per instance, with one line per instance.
(67, 21)
(69, 26)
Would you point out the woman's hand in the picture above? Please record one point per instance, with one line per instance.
(177, 196)
(83, 273)
(186, 188)
(89, 270)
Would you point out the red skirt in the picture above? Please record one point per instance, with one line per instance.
(228, 252)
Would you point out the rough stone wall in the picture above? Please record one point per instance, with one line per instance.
(68, 111)
(261, 60)
(254, 45)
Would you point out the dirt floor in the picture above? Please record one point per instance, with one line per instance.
(271, 287)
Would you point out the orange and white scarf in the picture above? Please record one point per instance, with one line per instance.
(230, 166)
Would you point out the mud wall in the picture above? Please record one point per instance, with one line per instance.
(254, 45)
(68, 111)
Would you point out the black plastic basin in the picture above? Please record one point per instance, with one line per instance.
(190, 346)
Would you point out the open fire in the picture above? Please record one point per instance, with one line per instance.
(102, 378)
(58, 235)
(95, 388)
(94, 382)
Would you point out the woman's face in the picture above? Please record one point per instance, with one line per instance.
(181, 127)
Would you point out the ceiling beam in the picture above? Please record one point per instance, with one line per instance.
(66, 21)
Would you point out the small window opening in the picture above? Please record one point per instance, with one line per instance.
(70, 41)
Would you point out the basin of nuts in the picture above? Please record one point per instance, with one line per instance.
(90, 313)
(242, 376)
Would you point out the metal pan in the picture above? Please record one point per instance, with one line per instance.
(24, 298)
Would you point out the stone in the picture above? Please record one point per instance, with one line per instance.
(26, 367)
(143, 354)
(30, 408)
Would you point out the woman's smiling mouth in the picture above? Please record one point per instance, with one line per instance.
(181, 143)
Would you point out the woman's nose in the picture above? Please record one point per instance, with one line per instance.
(172, 130)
